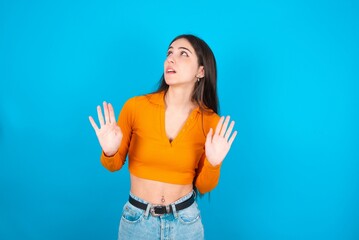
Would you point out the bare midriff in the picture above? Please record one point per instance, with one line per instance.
(156, 192)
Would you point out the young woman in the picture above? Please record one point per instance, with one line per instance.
(175, 143)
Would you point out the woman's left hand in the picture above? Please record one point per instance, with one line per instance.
(218, 144)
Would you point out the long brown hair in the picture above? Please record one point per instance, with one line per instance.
(205, 90)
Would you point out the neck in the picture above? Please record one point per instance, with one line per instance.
(179, 98)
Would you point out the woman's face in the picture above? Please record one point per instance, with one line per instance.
(181, 65)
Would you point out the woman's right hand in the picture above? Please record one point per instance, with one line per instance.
(109, 134)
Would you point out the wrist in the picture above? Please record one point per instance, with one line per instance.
(109, 154)
(213, 164)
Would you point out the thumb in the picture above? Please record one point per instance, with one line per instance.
(209, 136)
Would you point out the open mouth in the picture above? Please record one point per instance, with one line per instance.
(170, 70)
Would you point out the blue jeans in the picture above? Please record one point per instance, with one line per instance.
(140, 224)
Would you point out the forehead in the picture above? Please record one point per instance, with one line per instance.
(182, 42)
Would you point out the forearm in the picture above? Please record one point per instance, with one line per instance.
(113, 163)
(208, 177)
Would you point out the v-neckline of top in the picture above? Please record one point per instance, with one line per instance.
(187, 123)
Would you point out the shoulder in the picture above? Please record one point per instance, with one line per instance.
(210, 118)
(143, 103)
(210, 114)
(150, 98)
(156, 98)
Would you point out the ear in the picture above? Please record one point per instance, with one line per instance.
(200, 72)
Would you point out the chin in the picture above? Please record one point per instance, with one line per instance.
(170, 81)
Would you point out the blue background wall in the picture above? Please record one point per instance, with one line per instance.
(288, 74)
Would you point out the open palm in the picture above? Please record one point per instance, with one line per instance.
(109, 134)
(218, 144)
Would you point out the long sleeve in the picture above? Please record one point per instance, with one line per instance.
(125, 122)
(207, 175)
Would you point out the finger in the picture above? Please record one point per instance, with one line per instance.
(100, 116)
(94, 125)
(219, 125)
(112, 113)
(224, 127)
(232, 138)
(229, 130)
(209, 136)
(105, 109)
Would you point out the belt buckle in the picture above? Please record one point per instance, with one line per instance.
(153, 210)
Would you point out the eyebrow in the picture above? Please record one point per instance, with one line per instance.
(181, 48)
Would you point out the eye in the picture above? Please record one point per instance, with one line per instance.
(169, 53)
(183, 53)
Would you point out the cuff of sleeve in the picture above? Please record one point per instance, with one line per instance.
(104, 156)
(208, 165)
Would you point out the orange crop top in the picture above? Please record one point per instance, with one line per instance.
(152, 156)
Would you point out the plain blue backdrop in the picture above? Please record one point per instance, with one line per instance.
(288, 73)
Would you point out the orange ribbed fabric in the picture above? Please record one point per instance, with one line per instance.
(152, 156)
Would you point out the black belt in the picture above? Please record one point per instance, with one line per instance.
(158, 210)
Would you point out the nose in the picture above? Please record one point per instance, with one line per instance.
(170, 59)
